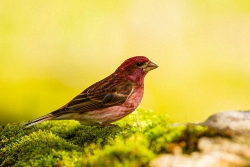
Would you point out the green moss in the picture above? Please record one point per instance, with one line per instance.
(67, 143)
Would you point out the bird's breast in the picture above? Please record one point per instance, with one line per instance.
(134, 100)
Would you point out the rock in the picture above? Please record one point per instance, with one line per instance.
(235, 121)
(214, 152)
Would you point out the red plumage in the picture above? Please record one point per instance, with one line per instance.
(108, 100)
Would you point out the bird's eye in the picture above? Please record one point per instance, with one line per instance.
(138, 64)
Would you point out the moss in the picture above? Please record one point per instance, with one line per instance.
(67, 143)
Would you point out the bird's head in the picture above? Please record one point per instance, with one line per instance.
(135, 68)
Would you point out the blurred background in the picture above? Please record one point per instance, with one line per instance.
(52, 50)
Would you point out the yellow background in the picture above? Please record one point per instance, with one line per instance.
(51, 50)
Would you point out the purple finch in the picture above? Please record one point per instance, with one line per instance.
(108, 100)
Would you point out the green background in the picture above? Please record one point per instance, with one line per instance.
(52, 50)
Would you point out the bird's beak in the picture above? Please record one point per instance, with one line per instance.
(150, 66)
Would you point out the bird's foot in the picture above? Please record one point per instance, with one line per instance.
(109, 125)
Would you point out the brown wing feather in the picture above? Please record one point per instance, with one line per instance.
(113, 90)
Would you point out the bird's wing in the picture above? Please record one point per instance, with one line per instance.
(110, 91)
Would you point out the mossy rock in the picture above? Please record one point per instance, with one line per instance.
(67, 143)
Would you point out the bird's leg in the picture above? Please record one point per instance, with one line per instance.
(111, 125)
(104, 125)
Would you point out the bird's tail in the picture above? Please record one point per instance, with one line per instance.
(39, 120)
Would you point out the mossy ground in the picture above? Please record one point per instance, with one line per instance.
(67, 143)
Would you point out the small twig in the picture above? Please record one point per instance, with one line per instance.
(137, 120)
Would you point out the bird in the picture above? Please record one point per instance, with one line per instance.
(108, 100)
